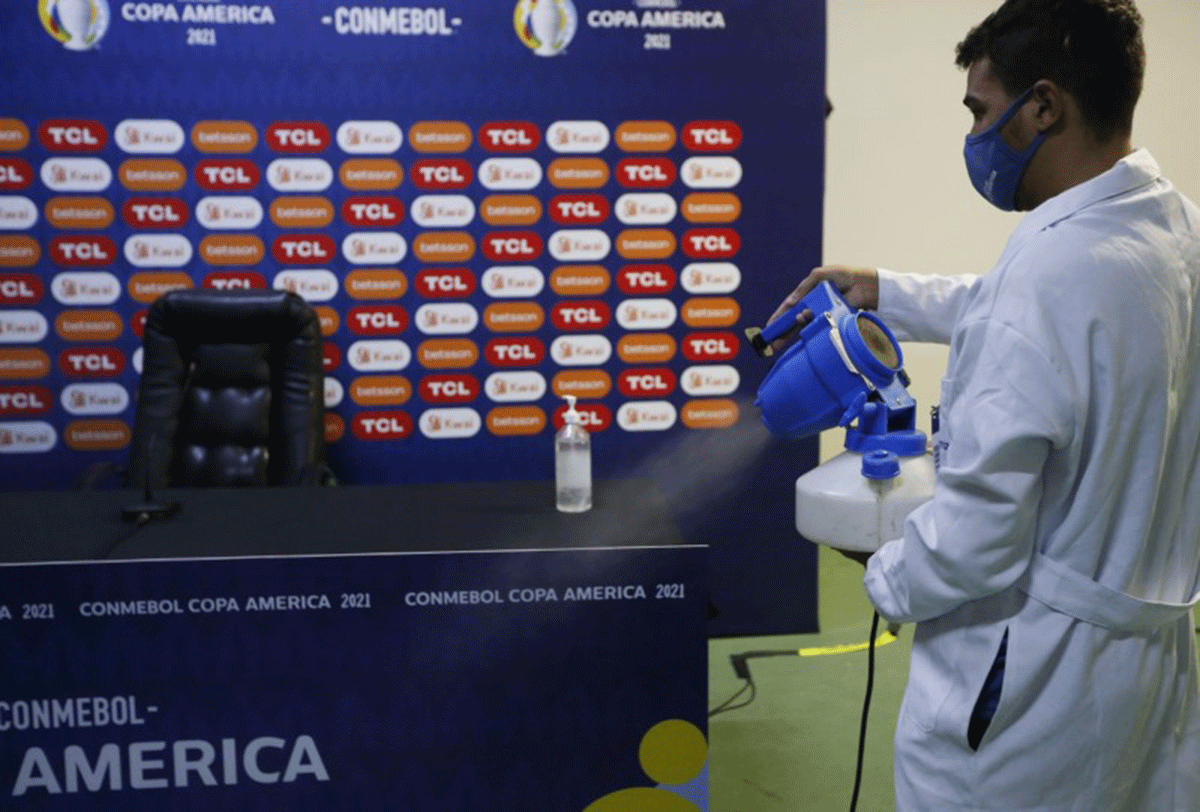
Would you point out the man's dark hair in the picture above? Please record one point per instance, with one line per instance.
(1090, 48)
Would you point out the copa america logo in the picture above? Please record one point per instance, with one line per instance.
(545, 26)
(78, 24)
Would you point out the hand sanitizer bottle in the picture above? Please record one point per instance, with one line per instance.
(573, 463)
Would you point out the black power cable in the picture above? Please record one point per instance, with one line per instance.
(862, 728)
(741, 668)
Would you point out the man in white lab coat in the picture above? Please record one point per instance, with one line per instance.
(1052, 574)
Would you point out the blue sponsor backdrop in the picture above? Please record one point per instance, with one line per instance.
(345, 683)
(759, 65)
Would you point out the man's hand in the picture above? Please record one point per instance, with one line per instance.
(858, 286)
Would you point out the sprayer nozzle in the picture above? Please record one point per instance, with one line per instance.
(760, 345)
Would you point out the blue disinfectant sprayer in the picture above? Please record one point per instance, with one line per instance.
(846, 369)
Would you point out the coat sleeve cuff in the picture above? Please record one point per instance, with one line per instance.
(885, 586)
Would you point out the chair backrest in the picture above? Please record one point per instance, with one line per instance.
(232, 391)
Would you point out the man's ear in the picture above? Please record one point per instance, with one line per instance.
(1050, 106)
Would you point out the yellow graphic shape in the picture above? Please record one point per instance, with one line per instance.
(45, 15)
(673, 752)
(642, 799)
(520, 24)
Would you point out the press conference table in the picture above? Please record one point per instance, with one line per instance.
(219, 522)
(441, 647)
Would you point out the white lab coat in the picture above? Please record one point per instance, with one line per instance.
(1067, 512)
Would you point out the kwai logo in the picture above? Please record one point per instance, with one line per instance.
(546, 27)
(78, 24)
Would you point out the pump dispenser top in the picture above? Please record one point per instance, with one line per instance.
(570, 415)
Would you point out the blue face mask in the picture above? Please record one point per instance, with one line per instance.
(995, 167)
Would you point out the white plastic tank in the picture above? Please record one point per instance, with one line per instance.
(838, 506)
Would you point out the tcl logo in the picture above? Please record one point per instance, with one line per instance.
(712, 136)
(15, 174)
(594, 315)
(509, 136)
(303, 249)
(722, 346)
(645, 173)
(711, 243)
(393, 425)
(63, 135)
(646, 383)
(137, 323)
(377, 320)
(450, 174)
(512, 246)
(235, 280)
(155, 212)
(645, 279)
(373, 211)
(85, 252)
(24, 401)
(20, 288)
(515, 352)
(238, 175)
(580, 209)
(298, 136)
(92, 362)
(594, 417)
(331, 357)
(445, 283)
(449, 388)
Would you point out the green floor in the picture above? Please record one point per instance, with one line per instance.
(793, 748)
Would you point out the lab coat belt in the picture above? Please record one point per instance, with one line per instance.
(1072, 593)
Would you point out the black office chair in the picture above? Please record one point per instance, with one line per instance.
(232, 392)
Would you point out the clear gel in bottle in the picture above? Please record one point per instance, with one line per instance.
(573, 463)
